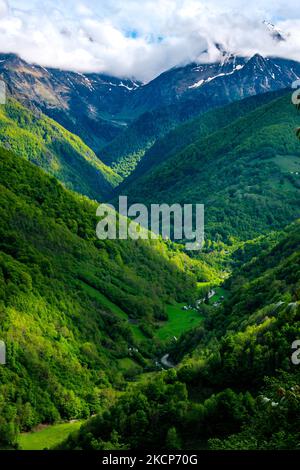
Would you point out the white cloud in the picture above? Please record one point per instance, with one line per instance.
(142, 38)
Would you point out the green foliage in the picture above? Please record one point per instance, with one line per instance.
(198, 128)
(83, 318)
(156, 135)
(66, 299)
(173, 442)
(275, 421)
(235, 387)
(125, 152)
(48, 145)
(159, 414)
(244, 173)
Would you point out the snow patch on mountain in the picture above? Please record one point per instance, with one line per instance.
(197, 84)
(222, 74)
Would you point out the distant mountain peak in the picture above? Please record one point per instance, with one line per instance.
(258, 58)
(276, 33)
(226, 55)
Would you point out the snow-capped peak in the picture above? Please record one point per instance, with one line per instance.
(276, 33)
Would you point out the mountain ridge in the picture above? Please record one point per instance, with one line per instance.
(172, 99)
(245, 173)
(98, 107)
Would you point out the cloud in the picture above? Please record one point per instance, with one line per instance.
(142, 38)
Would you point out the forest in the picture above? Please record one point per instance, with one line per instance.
(72, 305)
(235, 386)
(141, 344)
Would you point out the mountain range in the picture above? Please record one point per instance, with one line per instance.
(83, 104)
(244, 169)
(98, 107)
(181, 93)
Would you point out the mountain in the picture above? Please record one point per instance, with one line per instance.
(184, 92)
(185, 134)
(125, 152)
(99, 108)
(232, 78)
(275, 33)
(84, 320)
(183, 83)
(236, 387)
(246, 174)
(73, 307)
(85, 104)
(41, 140)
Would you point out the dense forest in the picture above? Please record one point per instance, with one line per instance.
(157, 135)
(150, 346)
(48, 145)
(235, 386)
(246, 174)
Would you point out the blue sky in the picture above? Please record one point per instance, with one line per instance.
(142, 38)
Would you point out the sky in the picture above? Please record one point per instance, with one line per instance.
(142, 38)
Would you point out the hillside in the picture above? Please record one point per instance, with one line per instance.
(181, 93)
(246, 174)
(236, 387)
(99, 108)
(150, 145)
(45, 143)
(72, 306)
(85, 104)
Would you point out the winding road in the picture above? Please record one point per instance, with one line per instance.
(165, 361)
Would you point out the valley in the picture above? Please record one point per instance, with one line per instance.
(141, 344)
(238, 166)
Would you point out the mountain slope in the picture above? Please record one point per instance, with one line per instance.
(71, 306)
(62, 154)
(230, 79)
(246, 174)
(99, 108)
(129, 147)
(185, 134)
(83, 104)
(181, 93)
(236, 387)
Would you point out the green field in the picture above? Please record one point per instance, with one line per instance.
(220, 292)
(47, 437)
(179, 321)
(127, 365)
